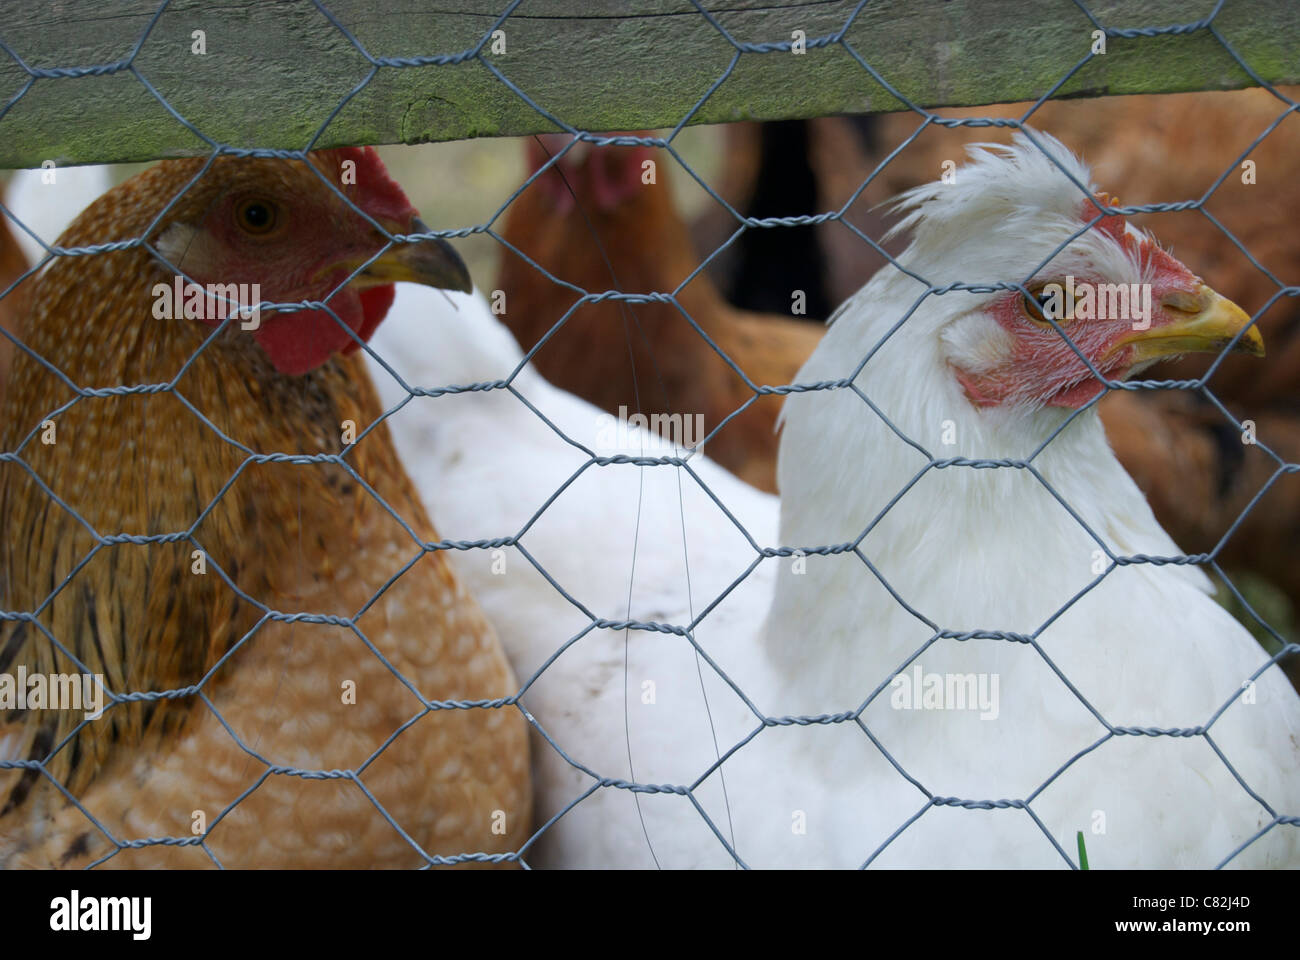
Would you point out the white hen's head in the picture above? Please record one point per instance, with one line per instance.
(981, 374)
(1021, 214)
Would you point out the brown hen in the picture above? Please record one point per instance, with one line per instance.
(327, 736)
(615, 231)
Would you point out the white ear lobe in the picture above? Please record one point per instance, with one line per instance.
(175, 242)
(976, 342)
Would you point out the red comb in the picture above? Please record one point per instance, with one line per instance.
(375, 192)
(615, 173)
(1112, 223)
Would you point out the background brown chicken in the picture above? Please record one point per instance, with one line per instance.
(293, 537)
(616, 232)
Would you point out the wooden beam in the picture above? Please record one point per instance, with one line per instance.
(273, 72)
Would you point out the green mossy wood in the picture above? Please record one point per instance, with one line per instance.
(273, 71)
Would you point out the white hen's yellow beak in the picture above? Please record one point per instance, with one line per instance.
(1203, 322)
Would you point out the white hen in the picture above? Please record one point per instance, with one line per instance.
(971, 549)
(981, 374)
(625, 705)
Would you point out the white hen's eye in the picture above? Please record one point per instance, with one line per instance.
(1037, 306)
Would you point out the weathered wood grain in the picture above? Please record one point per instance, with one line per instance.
(274, 71)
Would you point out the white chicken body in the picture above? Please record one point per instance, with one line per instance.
(991, 549)
(619, 534)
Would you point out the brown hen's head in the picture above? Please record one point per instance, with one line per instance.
(604, 178)
(607, 203)
(277, 223)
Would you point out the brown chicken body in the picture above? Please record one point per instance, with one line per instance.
(643, 357)
(281, 539)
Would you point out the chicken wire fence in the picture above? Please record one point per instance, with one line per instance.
(36, 765)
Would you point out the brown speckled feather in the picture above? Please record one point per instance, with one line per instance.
(13, 264)
(293, 537)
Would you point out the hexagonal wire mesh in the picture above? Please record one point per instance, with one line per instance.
(762, 721)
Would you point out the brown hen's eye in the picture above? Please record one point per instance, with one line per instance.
(256, 216)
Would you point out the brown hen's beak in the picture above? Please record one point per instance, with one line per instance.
(1203, 322)
(430, 262)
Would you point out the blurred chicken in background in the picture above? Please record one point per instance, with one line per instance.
(1187, 457)
(593, 221)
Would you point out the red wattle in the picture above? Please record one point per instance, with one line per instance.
(301, 341)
